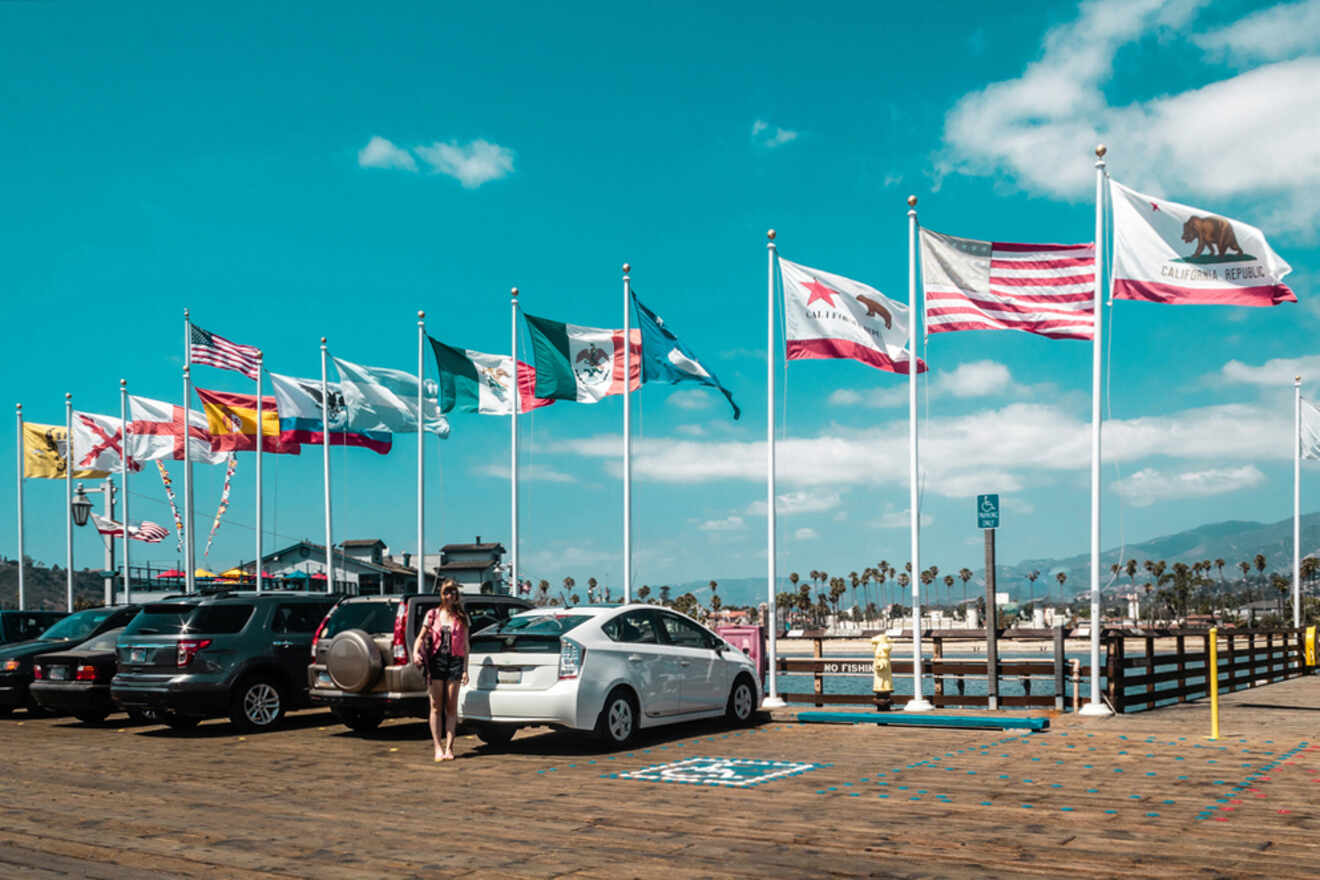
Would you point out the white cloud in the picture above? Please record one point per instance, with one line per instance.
(806, 534)
(767, 135)
(1269, 34)
(477, 163)
(1277, 373)
(803, 501)
(1148, 486)
(1207, 142)
(380, 153)
(690, 399)
(899, 519)
(1006, 449)
(526, 473)
(691, 430)
(728, 524)
(968, 380)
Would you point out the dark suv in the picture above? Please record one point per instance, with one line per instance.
(237, 654)
(19, 626)
(360, 665)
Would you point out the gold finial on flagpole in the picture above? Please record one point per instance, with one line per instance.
(912, 201)
(1100, 150)
(514, 293)
(123, 383)
(420, 314)
(627, 268)
(770, 235)
(68, 395)
(323, 340)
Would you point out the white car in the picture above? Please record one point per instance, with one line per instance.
(608, 669)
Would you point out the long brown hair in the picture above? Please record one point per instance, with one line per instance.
(459, 611)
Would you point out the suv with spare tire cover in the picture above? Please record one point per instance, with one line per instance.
(236, 654)
(361, 666)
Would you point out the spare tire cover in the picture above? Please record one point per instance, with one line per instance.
(353, 661)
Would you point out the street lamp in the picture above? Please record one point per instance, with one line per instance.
(81, 507)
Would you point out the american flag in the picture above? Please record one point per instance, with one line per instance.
(216, 351)
(1048, 289)
(144, 531)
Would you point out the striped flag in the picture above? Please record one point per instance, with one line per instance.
(1048, 289)
(144, 531)
(207, 348)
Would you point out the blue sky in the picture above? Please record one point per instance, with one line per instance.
(290, 173)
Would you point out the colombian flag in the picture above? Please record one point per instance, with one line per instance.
(231, 420)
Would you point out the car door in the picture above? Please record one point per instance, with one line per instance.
(652, 669)
(292, 629)
(703, 677)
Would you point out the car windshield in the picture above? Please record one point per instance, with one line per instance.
(77, 627)
(537, 625)
(159, 619)
(220, 619)
(104, 642)
(373, 617)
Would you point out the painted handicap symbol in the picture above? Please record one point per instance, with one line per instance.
(730, 772)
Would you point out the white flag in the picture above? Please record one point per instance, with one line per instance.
(382, 399)
(829, 316)
(157, 432)
(98, 443)
(1310, 439)
(1165, 252)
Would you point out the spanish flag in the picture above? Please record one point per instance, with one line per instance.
(45, 453)
(231, 421)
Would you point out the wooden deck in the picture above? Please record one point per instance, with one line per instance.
(1141, 795)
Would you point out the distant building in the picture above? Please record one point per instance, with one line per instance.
(361, 568)
(477, 567)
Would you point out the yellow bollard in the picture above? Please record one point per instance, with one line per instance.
(883, 682)
(1213, 673)
(1310, 646)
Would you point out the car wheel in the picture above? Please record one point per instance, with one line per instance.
(182, 722)
(617, 724)
(143, 716)
(495, 734)
(360, 720)
(95, 717)
(742, 701)
(257, 704)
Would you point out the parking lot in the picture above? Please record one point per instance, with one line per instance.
(1144, 795)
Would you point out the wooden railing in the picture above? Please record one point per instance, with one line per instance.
(1047, 677)
(1247, 659)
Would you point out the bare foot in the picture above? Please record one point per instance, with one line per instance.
(448, 756)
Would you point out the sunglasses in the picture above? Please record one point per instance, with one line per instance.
(449, 592)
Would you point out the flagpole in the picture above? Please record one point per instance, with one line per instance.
(123, 476)
(189, 577)
(1297, 502)
(68, 502)
(421, 457)
(917, 703)
(1095, 706)
(513, 448)
(772, 699)
(325, 475)
(22, 560)
(261, 442)
(627, 436)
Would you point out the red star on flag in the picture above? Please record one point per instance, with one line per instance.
(1154, 206)
(820, 292)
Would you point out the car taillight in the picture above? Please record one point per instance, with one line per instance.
(36, 671)
(571, 655)
(320, 629)
(399, 650)
(188, 649)
(85, 673)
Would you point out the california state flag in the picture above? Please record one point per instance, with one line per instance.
(1165, 252)
(829, 316)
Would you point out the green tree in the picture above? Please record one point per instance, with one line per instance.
(643, 593)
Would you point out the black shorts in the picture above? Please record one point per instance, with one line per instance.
(446, 667)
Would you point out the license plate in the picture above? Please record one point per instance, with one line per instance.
(59, 673)
(510, 676)
(137, 655)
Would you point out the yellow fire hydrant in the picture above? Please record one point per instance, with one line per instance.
(883, 668)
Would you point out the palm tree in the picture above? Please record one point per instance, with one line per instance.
(569, 584)
(1031, 576)
(644, 592)
(1246, 567)
(1260, 567)
(664, 595)
(1131, 570)
(714, 585)
(1219, 564)
(966, 575)
(1062, 578)
(544, 587)
(577, 600)
(948, 587)
(715, 603)
(591, 589)
(793, 578)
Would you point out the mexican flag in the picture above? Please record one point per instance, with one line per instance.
(472, 381)
(581, 363)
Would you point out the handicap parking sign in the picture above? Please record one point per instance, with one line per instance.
(987, 511)
(729, 772)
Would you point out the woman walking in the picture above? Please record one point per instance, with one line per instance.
(441, 650)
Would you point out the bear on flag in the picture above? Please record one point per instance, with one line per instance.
(1169, 253)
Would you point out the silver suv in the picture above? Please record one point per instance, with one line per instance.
(360, 666)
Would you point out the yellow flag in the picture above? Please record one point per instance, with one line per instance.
(45, 453)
